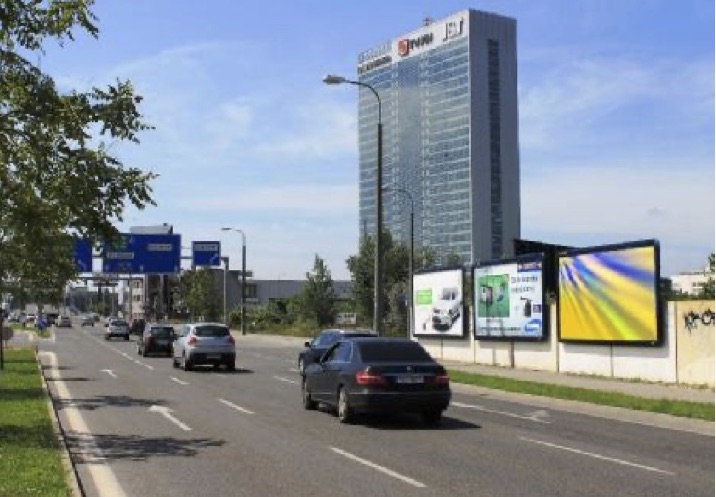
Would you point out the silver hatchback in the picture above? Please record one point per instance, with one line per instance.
(204, 343)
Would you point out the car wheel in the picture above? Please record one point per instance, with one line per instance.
(301, 367)
(432, 418)
(175, 364)
(144, 352)
(231, 366)
(126, 338)
(186, 363)
(345, 412)
(308, 403)
(139, 349)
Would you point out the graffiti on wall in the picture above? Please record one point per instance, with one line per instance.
(692, 319)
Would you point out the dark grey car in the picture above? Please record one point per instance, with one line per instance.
(378, 375)
(314, 349)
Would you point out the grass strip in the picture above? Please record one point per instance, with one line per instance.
(30, 454)
(686, 409)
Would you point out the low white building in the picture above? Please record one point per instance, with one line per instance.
(689, 282)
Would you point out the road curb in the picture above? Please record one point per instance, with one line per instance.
(67, 462)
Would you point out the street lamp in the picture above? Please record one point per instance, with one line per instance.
(243, 276)
(411, 324)
(378, 277)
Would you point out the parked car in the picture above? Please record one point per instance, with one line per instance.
(87, 320)
(63, 322)
(204, 343)
(314, 349)
(156, 338)
(117, 328)
(377, 375)
(51, 318)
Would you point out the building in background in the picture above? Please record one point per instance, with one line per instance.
(450, 135)
(689, 282)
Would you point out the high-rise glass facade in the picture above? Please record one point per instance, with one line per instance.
(448, 93)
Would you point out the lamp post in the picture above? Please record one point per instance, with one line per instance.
(378, 276)
(226, 270)
(411, 324)
(243, 276)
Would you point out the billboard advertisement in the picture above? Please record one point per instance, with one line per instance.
(610, 294)
(438, 308)
(509, 300)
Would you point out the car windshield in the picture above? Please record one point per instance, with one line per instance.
(211, 331)
(380, 351)
(119, 322)
(162, 331)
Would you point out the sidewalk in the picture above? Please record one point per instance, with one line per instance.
(635, 388)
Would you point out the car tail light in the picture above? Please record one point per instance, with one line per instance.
(192, 340)
(367, 377)
(230, 339)
(442, 379)
(147, 340)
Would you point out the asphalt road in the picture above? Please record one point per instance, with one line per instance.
(138, 427)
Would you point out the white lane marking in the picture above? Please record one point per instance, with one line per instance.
(109, 372)
(234, 406)
(148, 366)
(598, 456)
(103, 477)
(167, 413)
(382, 469)
(281, 378)
(177, 380)
(535, 417)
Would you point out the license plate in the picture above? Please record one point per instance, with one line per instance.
(409, 379)
(213, 356)
(162, 342)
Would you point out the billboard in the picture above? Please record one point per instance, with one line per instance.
(610, 294)
(509, 300)
(438, 305)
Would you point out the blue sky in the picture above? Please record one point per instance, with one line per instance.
(616, 104)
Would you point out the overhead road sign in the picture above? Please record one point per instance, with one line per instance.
(206, 253)
(135, 253)
(82, 255)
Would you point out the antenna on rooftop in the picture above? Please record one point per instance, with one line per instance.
(428, 21)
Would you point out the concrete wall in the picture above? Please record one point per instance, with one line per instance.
(686, 355)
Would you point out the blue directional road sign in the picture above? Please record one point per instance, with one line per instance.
(206, 253)
(143, 254)
(82, 255)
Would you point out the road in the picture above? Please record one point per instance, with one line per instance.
(138, 427)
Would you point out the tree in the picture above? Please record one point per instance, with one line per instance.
(395, 274)
(198, 294)
(58, 179)
(708, 289)
(317, 298)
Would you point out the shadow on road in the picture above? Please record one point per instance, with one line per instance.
(413, 422)
(86, 448)
(211, 370)
(70, 378)
(93, 403)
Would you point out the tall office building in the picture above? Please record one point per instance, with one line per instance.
(448, 92)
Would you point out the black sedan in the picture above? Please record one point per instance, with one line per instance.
(318, 346)
(377, 375)
(157, 338)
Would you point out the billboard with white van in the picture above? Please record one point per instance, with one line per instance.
(438, 303)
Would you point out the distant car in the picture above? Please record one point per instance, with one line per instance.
(51, 318)
(378, 375)
(87, 320)
(64, 322)
(156, 338)
(204, 343)
(447, 309)
(314, 349)
(117, 328)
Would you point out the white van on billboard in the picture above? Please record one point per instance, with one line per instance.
(438, 303)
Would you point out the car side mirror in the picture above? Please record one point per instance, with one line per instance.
(307, 344)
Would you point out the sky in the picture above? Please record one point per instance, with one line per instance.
(616, 119)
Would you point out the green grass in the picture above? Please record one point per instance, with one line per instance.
(686, 409)
(30, 457)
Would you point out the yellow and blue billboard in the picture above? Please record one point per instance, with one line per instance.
(610, 294)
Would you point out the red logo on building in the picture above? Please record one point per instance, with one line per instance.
(403, 47)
